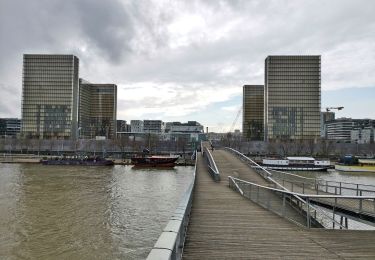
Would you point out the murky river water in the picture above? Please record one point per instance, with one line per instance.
(52, 212)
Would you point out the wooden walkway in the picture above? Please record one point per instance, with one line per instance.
(225, 225)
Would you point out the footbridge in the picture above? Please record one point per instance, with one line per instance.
(235, 209)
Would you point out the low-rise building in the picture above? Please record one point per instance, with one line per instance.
(153, 126)
(324, 118)
(341, 128)
(121, 126)
(10, 127)
(192, 130)
(362, 136)
(136, 126)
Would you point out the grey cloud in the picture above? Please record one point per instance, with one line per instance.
(129, 41)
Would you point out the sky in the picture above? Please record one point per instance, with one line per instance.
(188, 60)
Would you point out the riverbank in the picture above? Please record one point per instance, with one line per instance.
(25, 158)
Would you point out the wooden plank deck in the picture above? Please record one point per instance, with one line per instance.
(225, 225)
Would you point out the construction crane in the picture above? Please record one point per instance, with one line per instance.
(235, 120)
(330, 108)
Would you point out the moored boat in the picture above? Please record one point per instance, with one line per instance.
(85, 161)
(350, 163)
(154, 161)
(296, 164)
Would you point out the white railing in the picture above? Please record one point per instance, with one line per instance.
(212, 168)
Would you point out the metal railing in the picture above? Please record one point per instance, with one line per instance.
(324, 186)
(361, 205)
(305, 184)
(300, 208)
(212, 168)
(256, 167)
(170, 243)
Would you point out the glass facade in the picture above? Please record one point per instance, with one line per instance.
(253, 112)
(292, 97)
(10, 127)
(97, 110)
(49, 96)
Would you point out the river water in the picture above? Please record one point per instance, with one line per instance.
(54, 212)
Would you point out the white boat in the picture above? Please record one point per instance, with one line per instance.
(296, 164)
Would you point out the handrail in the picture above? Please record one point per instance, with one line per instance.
(212, 168)
(267, 176)
(303, 195)
(318, 182)
(357, 188)
(262, 195)
(170, 243)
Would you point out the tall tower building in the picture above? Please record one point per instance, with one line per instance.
(49, 96)
(292, 97)
(253, 112)
(97, 110)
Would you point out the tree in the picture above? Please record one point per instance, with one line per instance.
(326, 146)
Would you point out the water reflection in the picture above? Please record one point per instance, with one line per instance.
(85, 213)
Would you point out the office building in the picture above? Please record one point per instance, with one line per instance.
(136, 126)
(50, 96)
(341, 129)
(292, 97)
(121, 126)
(190, 131)
(253, 112)
(178, 127)
(10, 127)
(153, 126)
(362, 135)
(324, 118)
(97, 110)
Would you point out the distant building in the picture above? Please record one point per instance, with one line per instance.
(178, 127)
(153, 126)
(121, 126)
(292, 97)
(50, 96)
(191, 131)
(325, 117)
(362, 135)
(136, 126)
(10, 127)
(253, 112)
(97, 110)
(341, 129)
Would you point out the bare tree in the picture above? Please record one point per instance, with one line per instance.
(326, 147)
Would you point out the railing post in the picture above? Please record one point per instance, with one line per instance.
(357, 190)
(283, 211)
(303, 187)
(250, 192)
(340, 189)
(308, 212)
(360, 202)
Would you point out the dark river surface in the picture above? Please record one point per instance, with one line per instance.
(70, 212)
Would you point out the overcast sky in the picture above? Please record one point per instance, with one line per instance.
(188, 60)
